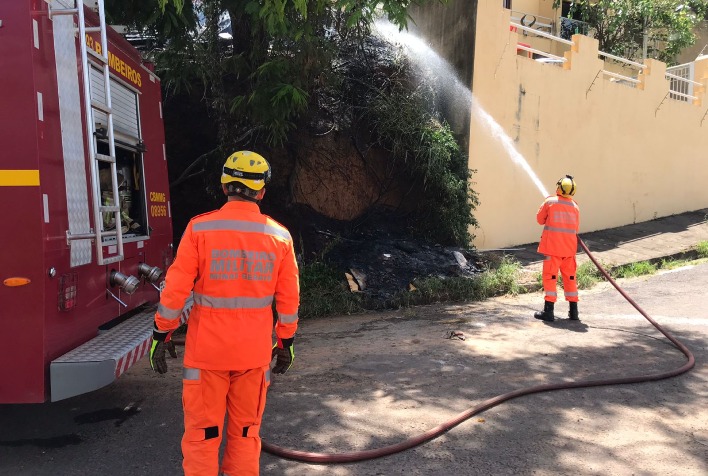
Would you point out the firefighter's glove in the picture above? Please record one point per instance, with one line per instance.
(161, 341)
(284, 354)
(170, 345)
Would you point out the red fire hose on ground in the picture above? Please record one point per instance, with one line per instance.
(326, 458)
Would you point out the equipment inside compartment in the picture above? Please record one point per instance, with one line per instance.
(131, 195)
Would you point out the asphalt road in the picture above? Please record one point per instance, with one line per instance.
(362, 382)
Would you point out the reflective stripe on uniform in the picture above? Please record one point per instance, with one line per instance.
(570, 294)
(559, 230)
(233, 302)
(168, 313)
(241, 225)
(568, 218)
(287, 318)
(551, 293)
(561, 201)
(191, 374)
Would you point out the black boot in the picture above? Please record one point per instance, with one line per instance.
(547, 314)
(573, 312)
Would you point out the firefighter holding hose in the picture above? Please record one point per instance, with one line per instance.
(236, 261)
(560, 217)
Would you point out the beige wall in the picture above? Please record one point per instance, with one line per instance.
(537, 7)
(635, 153)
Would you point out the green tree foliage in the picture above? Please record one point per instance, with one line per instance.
(418, 138)
(281, 58)
(261, 80)
(620, 25)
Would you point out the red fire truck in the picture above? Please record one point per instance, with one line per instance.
(87, 232)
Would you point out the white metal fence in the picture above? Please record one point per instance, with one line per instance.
(681, 82)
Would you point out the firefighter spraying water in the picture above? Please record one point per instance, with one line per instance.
(560, 217)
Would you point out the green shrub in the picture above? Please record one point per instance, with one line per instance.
(423, 148)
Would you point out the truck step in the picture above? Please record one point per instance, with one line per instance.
(103, 359)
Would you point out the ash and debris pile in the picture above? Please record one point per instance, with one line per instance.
(382, 266)
(377, 257)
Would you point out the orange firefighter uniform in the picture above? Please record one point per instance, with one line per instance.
(560, 217)
(237, 261)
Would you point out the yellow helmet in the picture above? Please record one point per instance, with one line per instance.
(566, 186)
(247, 168)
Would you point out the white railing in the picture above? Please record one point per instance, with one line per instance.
(681, 86)
(630, 81)
(540, 53)
(681, 82)
(533, 52)
(539, 33)
(622, 60)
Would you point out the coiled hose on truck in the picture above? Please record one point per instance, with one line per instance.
(332, 458)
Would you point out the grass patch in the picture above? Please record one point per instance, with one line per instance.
(498, 279)
(673, 264)
(501, 279)
(323, 292)
(633, 270)
(702, 249)
(587, 276)
(431, 290)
